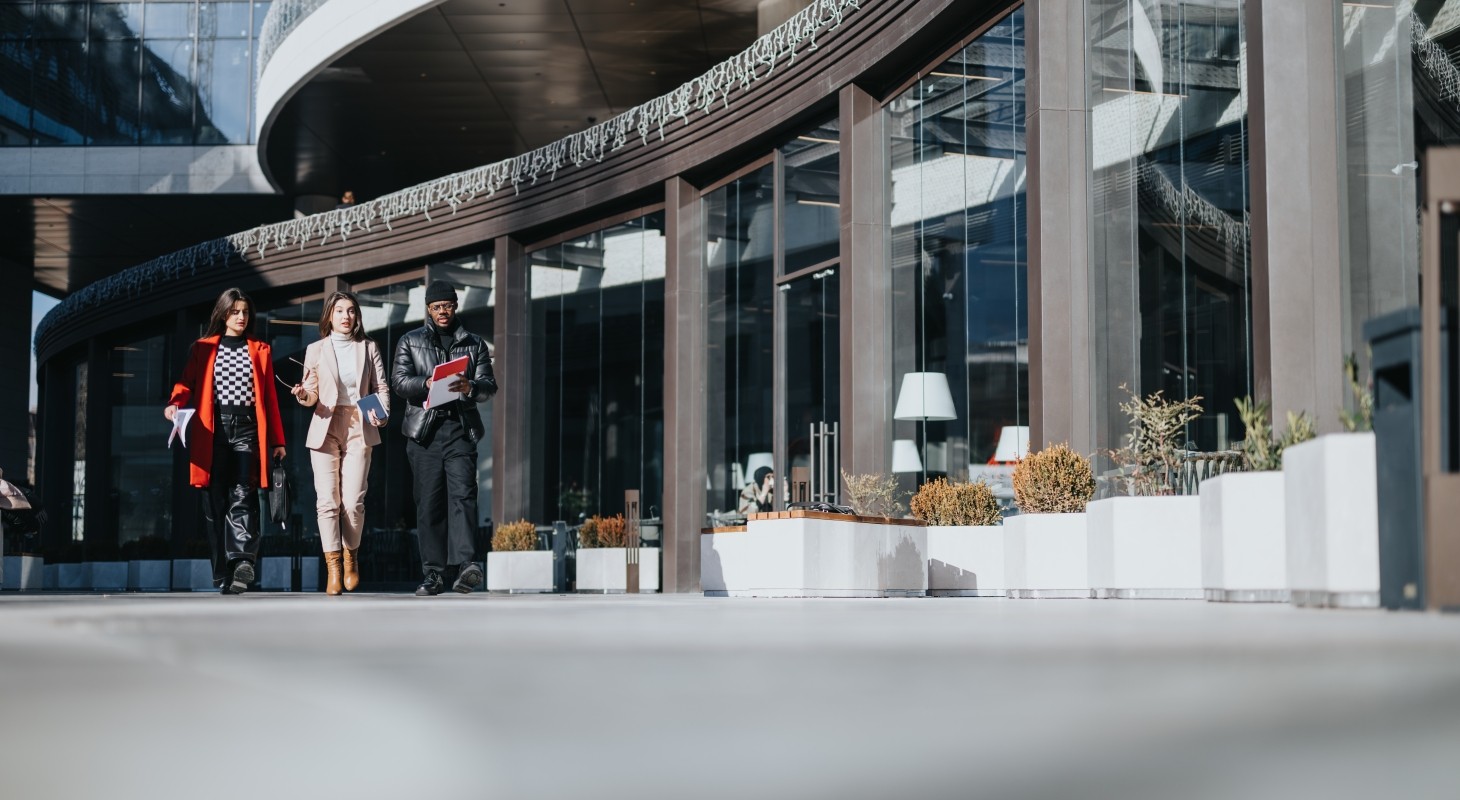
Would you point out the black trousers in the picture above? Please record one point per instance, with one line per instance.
(445, 472)
(232, 507)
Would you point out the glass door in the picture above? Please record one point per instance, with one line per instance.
(810, 379)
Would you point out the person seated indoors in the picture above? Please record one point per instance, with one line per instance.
(758, 494)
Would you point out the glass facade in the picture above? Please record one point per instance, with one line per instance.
(167, 72)
(1171, 276)
(141, 471)
(739, 263)
(959, 253)
(598, 372)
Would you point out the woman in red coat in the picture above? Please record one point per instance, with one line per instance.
(229, 382)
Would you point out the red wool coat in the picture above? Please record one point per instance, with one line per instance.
(195, 390)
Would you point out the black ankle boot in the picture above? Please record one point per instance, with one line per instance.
(431, 586)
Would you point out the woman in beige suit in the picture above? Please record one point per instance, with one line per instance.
(339, 369)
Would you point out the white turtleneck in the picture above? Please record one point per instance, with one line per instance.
(345, 358)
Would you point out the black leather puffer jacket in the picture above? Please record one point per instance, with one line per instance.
(416, 355)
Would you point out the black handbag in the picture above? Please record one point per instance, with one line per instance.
(281, 492)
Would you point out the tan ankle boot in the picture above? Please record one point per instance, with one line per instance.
(332, 572)
(352, 569)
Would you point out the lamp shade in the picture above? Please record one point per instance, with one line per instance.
(755, 461)
(905, 456)
(924, 395)
(1013, 443)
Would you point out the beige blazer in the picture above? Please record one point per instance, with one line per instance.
(321, 386)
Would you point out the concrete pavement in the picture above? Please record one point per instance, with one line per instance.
(680, 696)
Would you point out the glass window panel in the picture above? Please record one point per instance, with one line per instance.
(141, 471)
(959, 254)
(116, 20)
(170, 20)
(1170, 287)
(223, 21)
(60, 86)
(740, 312)
(112, 72)
(16, 60)
(598, 303)
(61, 21)
(223, 91)
(811, 217)
(260, 11)
(167, 92)
(17, 21)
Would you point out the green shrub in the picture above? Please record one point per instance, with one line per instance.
(514, 537)
(1056, 480)
(1261, 450)
(939, 502)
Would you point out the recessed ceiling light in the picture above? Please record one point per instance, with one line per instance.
(653, 72)
(423, 74)
(463, 127)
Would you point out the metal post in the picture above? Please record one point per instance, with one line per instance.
(631, 545)
(560, 557)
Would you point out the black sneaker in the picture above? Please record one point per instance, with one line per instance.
(243, 575)
(431, 586)
(470, 578)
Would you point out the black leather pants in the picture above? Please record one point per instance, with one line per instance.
(232, 509)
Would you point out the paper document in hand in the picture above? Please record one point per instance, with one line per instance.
(441, 380)
(180, 420)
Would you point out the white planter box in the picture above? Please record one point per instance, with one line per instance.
(193, 574)
(966, 561)
(1244, 556)
(1333, 521)
(520, 572)
(106, 576)
(1045, 556)
(1145, 548)
(605, 569)
(24, 573)
(808, 554)
(73, 577)
(149, 575)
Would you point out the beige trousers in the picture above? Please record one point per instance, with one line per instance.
(341, 470)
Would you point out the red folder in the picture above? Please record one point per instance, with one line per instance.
(442, 374)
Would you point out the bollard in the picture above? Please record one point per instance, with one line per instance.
(1394, 344)
(560, 557)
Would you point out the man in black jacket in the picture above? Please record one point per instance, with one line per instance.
(441, 441)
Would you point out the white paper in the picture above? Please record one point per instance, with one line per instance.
(442, 378)
(180, 420)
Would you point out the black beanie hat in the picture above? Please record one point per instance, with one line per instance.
(438, 291)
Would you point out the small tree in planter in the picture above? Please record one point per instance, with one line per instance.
(603, 557)
(965, 546)
(1152, 458)
(1045, 547)
(515, 565)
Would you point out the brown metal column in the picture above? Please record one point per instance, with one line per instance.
(866, 288)
(512, 359)
(685, 377)
(1441, 173)
(1297, 207)
(1060, 352)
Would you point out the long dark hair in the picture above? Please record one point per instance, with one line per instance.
(216, 322)
(326, 317)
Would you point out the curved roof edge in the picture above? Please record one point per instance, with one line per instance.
(703, 94)
(311, 40)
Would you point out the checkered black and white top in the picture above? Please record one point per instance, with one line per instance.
(233, 377)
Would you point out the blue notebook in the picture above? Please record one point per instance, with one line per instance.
(370, 403)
